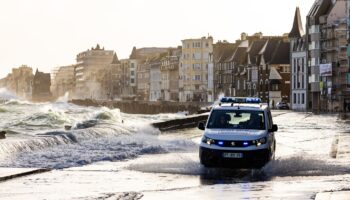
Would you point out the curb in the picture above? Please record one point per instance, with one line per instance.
(36, 171)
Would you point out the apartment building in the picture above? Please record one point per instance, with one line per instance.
(90, 71)
(334, 66)
(196, 70)
(63, 81)
(20, 82)
(169, 70)
(313, 39)
(41, 86)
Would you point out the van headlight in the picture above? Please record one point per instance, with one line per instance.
(207, 140)
(260, 141)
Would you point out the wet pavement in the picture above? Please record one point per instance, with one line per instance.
(312, 161)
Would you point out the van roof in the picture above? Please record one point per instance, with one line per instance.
(241, 106)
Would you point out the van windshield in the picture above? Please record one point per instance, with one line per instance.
(237, 119)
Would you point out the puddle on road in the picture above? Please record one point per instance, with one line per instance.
(305, 166)
(188, 164)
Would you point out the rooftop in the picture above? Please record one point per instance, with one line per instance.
(297, 30)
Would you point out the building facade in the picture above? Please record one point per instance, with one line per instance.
(169, 70)
(348, 16)
(140, 62)
(299, 72)
(90, 71)
(334, 61)
(41, 87)
(223, 76)
(313, 39)
(63, 81)
(20, 82)
(127, 89)
(155, 79)
(196, 70)
(279, 74)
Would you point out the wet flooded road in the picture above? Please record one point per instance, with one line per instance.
(307, 162)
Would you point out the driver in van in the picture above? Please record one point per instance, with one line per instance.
(255, 121)
(224, 121)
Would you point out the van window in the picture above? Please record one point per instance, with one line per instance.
(237, 119)
(270, 119)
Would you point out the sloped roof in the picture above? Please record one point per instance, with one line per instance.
(115, 59)
(240, 55)
(297, 29)
(42, 76)
(269, 49)
(222, 51)
(274, 74)
(254, 50)
(281, 54)
(133, 54)
(319, 8)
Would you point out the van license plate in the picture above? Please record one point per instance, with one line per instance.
(232, 155)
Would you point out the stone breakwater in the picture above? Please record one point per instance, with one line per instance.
(144, 107)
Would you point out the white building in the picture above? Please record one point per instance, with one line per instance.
(299, 71)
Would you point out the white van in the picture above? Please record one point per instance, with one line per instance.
(239, 133)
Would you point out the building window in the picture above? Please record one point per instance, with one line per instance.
(274, 87)
(294, 98)
(298, 98)
(286, 69)
(294, 82)
(303, 65)
(197, 77)
(303, 98)
(196, 66)
(303, 82)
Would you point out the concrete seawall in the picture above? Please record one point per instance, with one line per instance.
(187, 122)
(11, 173)
(144, 107)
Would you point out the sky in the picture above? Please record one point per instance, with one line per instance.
(46, 34)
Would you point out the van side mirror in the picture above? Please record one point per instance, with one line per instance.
(274, 128)
(201, 126)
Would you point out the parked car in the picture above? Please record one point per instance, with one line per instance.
(282, 105)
